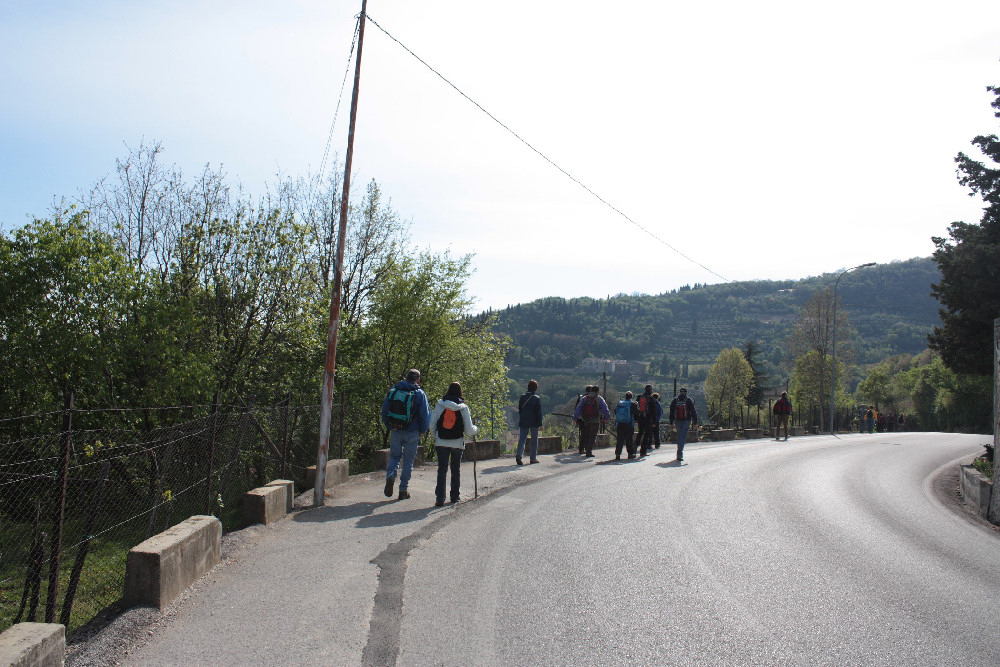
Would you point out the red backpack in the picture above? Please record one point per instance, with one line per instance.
(681, 411)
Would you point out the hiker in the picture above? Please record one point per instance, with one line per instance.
(529, 409)
(870, 419)
(452, 422)
(644, 415)
(406, 413)
(656, 417)
(589, 412)
(625, 424)
(782, 409)
(683, 416)
(576, 408)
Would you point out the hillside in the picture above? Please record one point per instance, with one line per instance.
(889, 306)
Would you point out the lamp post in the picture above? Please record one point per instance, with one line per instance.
(833, 348)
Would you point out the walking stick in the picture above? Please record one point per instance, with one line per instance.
(475, 455)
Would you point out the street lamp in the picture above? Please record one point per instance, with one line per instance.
(833, 355)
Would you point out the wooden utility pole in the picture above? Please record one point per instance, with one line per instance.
(330, 368)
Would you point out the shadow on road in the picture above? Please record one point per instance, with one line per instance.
(366, 512)
(670, 464)
(493, 471)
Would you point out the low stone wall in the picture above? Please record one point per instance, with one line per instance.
(382, 457)
(33, 645)
(604, 440)
(722, 434)
(549, 444)
(159, 569)
(976, 490)
(753, 433)
(265, 505)
(482, 450)
(337, 472)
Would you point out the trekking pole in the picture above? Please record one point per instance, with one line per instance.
(475, 455)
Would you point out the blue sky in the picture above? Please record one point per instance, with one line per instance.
(762, 140)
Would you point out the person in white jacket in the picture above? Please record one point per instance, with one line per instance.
(451, 422)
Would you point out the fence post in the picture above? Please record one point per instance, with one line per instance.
(211, 455)
(55, 548)
(995, 498)
(81, 554)
(342, 407)
(284, 434)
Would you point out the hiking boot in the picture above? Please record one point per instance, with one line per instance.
(520, 462)
(403, 495)
(389, 483)
(438, 503)
(534, 461)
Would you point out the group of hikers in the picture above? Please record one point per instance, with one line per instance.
(871, 420)
(407, 414)
(637, 421)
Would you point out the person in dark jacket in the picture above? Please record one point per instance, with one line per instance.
(656, 417)
(782, 410)
(529, 420)
(404, 438)
(645, 412)
(683, 416)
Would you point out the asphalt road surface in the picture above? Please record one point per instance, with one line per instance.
(828, 551)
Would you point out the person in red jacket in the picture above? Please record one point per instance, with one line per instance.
(782, 409)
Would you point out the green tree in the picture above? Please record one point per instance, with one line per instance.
(63, 287)
(758, 386)
(418, 319)
(813, 335)
(969, 260)
(875, 388)
(729, 382)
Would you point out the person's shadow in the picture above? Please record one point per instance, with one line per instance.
(365, 511)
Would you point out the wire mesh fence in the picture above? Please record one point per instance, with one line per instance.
(79, 488)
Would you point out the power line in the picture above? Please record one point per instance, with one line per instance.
(551, 162)
(333, 124)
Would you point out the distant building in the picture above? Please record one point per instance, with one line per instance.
(603, 365)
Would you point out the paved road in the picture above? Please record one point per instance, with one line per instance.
(820, 551)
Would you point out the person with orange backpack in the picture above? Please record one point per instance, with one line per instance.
(452, 422)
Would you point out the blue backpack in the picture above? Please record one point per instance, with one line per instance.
(623, 411)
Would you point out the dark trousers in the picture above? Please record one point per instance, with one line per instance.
(655, 428)
(588, 435)
(645, 436)
(449, 457)
(625, 439)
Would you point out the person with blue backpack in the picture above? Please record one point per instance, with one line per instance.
(625, 422)
(406, 413)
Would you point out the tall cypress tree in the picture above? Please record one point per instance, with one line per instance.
(969, 260)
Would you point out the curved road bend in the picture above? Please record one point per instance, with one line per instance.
(824, 551)
(820, 551)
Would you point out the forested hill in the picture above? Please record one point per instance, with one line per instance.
(889, 305)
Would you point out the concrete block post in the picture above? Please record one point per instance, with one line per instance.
(159, 569)
(33, 645)
(995, 498)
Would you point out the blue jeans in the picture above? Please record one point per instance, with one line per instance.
(449, 457)
(402, 445)
(682, 436)
(534, 441)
